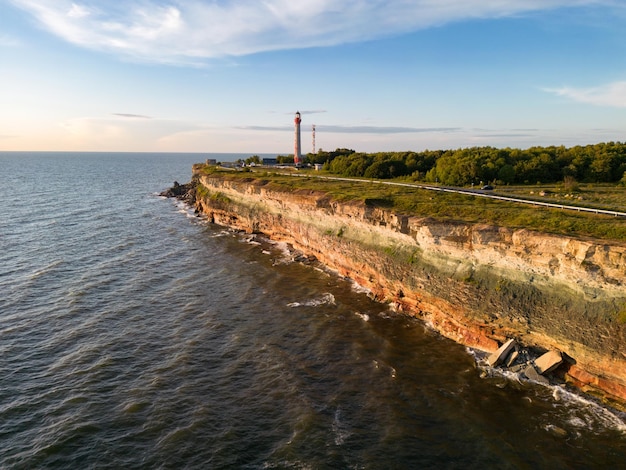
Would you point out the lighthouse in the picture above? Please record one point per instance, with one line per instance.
(297, 156)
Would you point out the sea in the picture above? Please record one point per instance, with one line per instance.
(137, 335)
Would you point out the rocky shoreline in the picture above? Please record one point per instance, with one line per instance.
(185, 192)
(478, 285)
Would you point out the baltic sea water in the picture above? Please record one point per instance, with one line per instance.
(136, 335)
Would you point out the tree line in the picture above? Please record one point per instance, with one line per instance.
(598, 163)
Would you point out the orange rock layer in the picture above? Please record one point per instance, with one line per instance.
(476, 284)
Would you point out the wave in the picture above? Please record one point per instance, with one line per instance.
(46, 269)
(251, 240)
(585, 413)
(325, 299)
(186, 209)
(576, 410)
(362, 316)
(285, 249)
(359, 289)
(339, 428)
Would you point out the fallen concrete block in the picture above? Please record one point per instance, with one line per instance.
(500, 355)
(517, 368)
(532, 373)
(512, 357)
(548, 362)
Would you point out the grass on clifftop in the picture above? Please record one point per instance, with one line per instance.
(459, 207)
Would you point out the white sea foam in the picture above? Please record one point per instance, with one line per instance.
(222, 233)
(362, 316)
(250, 239)
(386, 314)
(586, 413)
(287, 464)
(339, 429)
(186, 209)
(322, 270)
(577, 422)
(583, 412)
(359, 289)
(285, 253)
(479, 356)
(325, 299)
(283, 247)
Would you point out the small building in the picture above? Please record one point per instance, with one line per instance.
(211, 161)
(270, 161)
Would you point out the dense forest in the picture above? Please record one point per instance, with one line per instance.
(599, 163)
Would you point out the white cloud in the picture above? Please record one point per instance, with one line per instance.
(611, 94)
(330, 128)
(132, 116)
(77, 11)
(176, 31)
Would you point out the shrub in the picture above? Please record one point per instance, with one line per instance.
(570, 184)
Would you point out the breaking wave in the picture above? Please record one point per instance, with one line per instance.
(324, 299)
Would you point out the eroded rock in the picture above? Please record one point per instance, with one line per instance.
(531, 373)
(512, 357)
(548, 362)
(453, 275)
(185, 192)
(501, 354)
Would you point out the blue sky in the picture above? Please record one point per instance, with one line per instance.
(377, 75)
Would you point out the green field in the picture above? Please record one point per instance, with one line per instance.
(467, 208)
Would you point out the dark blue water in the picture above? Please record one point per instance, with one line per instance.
(135, 335)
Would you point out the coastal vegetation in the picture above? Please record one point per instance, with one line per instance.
(462, 207)
(598, 163)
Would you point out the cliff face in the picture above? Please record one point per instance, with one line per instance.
(476, 284)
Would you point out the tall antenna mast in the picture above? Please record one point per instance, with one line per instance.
(313, 128)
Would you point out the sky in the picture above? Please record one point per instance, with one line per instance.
(215, 76)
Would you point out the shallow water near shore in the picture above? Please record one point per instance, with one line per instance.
(136, 335)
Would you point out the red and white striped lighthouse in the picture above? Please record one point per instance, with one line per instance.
(297, 155)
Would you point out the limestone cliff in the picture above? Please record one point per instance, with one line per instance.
(476, 284)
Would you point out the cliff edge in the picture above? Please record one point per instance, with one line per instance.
(476, 284)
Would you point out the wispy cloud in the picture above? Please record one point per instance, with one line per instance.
(132, 116)
(265, 128)
(313, 111)
(611, 94)
(335, 129)
(384, 129)
(305, 111)
(78, 11)
(188, 32)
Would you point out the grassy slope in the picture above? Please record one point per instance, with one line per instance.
(458, 207)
